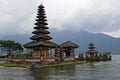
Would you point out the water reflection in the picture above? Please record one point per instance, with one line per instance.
(53, 73)
(89, 71)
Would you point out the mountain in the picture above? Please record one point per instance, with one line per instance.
(102, 42)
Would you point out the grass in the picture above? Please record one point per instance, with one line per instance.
(9, 64)
(2, 59)
(27, 65)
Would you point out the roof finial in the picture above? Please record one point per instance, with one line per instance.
(41, 3)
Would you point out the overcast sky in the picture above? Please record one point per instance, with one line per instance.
(101, 16)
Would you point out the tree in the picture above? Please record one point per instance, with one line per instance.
(107, 53)
(10, 46)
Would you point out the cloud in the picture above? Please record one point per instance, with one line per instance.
(15, 15)
(114, 33)
(18, 16)
(93, 16)
(3, 2)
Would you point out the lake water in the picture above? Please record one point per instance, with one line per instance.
(7, 73)
(90, 71)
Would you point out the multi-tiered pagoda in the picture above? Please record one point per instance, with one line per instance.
(92, 52)
(41, 43)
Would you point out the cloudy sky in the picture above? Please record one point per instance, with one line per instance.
(99, 16)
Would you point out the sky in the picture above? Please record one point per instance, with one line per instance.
(97, 16)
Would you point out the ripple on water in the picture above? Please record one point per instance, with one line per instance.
(11, 73)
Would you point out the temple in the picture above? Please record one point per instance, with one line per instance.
(42, 48)
(68, 48)
(40, 43)
(66, 51)
(94, 55)
(91, 53)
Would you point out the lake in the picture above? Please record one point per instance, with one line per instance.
(90, 71)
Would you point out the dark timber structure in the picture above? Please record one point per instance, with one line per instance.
(68, 48)
(41, 43)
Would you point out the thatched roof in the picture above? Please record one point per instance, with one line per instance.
(69, 44)
(40, 31)
(47, 44)
(35, 37)
(91, 51)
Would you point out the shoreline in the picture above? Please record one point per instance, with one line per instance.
(38, 65)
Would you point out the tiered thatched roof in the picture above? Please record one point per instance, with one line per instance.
(69, 44)
(40, 37)
(91, 49)
(48, 44)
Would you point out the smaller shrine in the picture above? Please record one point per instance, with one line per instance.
(94, 55)
(68, 50)
(91, 54)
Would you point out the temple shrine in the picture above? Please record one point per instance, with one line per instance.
(94, 55)
(40, 43)
(68, 48)
(91, 53)
(44, 49)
